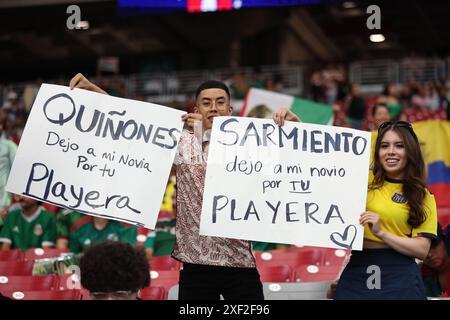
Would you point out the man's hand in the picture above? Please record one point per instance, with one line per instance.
(193, 120)
(284, 114)
(80, 81)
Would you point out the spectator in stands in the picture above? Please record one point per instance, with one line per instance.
(318, 92)
(7, 154)
(30, 226)
(212, 266)
(114, 271)
(92, 230)
(380, 114)
(443, 100)
(436, 266)
(356, 107)
(390, 98)
(239, 86)
(399, 222)
(65, 220)
(432, 95)
(161, 241)
(418, 100)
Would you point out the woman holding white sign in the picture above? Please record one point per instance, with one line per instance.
(399, 222)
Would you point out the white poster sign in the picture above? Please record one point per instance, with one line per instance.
(97, 154)
(302, 184)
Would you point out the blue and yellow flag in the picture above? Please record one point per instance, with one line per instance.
(434, 137)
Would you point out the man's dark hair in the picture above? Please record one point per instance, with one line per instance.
(114, 266)
(378, 106)
(212, 84)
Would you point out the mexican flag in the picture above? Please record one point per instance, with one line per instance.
(261, 103)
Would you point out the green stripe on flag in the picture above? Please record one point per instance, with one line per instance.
(312, 112)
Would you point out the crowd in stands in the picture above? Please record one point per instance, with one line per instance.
(27, 223)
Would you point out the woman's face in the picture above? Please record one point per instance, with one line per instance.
(392, 154)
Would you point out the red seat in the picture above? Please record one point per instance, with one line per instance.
(275, 273)
(153, 293)
(164, 278)
(333, 257)
(28, 283)
(164, 263)
(42, 253)
(16, 268)
(11, 255)
(69, 282)
(443, 216)
(43, 295)
(313, 273)
(291, 258)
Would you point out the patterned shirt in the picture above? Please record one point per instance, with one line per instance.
(190, 246)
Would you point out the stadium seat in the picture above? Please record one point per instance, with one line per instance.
(293, 258)
(153, 293)
(313, 273)
(164, 278)
(28, 283)
(42, 253)
(84, 293)
(333, 257)
(43, 295)
(275, 273)
(69, 282)
(16, 268)
(11, 255)
(164, 263)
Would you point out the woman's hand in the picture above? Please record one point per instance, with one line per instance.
(284, 114)
(80, 81)
(374, 221)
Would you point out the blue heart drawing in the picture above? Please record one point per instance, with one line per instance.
(344, 240)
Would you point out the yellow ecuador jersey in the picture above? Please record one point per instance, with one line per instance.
(389, 202)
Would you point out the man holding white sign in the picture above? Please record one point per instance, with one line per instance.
(212, 266)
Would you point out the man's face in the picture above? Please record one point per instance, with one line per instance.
(437, 256)
(27, 203)
(212, 103)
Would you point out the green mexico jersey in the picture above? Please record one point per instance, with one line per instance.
(162, 239)
(64, 221)
(87, 234)
(29, 232)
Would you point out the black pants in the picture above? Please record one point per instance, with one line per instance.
(202, 282)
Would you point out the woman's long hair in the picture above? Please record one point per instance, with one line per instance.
(414, 178)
